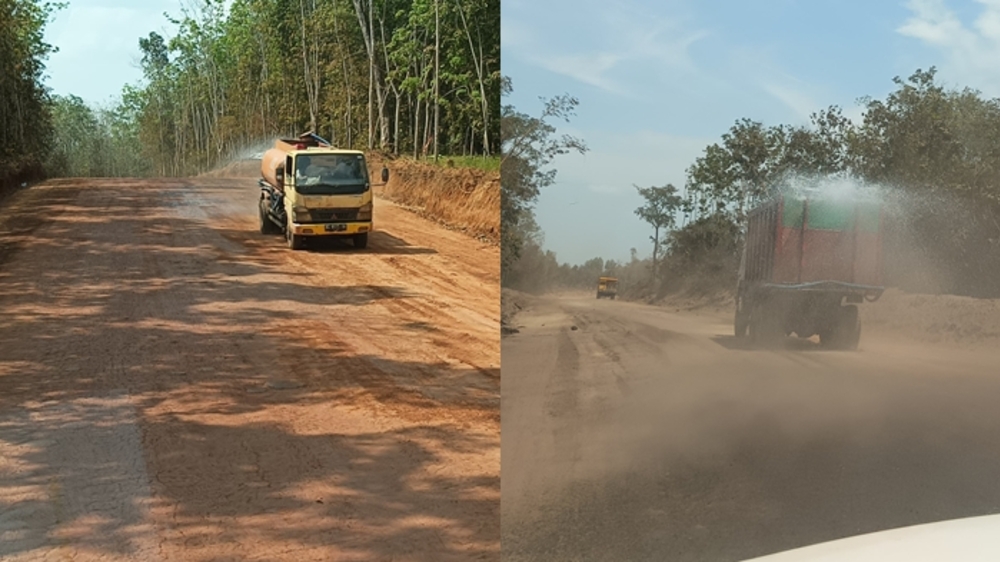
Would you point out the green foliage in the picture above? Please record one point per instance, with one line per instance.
(25, 121)
(93, 143)
(659, 210)
(753, 160)
(360, 73)
(936, 151)
(932, 152)
(528, 147)
(706, 251)
(485, 163)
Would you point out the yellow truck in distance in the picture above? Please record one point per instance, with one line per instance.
(607, 287)
(311, 189)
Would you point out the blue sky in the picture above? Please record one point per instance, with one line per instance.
(660, 80)
(98, 43)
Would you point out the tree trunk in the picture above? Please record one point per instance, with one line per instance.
(656, 251)
(437, 76)
(416, 128)
(478, 62)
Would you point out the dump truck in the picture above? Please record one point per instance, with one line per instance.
(809, 260)
(607, 287)
(310, 189)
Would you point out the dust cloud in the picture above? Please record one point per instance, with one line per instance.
(650, 433)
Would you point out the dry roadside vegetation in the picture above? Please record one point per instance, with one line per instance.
(465, 199)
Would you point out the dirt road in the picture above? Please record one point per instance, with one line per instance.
(176, 386)
(647, 434)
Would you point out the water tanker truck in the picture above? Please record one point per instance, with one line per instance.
(607, 287)
(309, 189)
(808, 261)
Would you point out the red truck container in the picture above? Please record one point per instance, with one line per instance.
(807, 262)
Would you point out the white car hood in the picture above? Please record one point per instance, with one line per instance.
(973, 539)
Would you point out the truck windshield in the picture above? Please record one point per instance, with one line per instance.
(331, 174)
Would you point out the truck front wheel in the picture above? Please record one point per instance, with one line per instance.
(361, 241)
(295, 241)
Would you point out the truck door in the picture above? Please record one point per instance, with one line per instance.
(289, 188)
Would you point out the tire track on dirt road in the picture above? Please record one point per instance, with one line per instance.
(314, 406)
(726, 452)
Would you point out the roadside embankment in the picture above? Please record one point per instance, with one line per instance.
(463, 199)
(935, 318)
(511, 304)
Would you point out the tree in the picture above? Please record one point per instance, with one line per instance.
(528, 146)
(660, 211)
(753, 161)
(76, 150)
(933, 153)
(25, 116)
(359, 72)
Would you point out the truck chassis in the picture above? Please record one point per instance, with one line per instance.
(768, 312)
(273, 219)
(808, 262)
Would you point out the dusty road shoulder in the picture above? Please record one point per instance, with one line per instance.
(229, 399)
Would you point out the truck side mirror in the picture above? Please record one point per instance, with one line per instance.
(279, 175)
(385, 174)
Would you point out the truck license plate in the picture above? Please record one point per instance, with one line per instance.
(336, 227)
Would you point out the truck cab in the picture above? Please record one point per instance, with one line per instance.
(320, 191)
(607, 287)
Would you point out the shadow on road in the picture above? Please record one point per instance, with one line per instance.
(378, 243)
(773, 463)
(133, 337)
(384, 243)
(790, 343)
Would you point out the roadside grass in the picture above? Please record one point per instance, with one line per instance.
(485, 163)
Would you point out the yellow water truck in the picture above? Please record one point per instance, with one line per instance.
(607, 287)
(310, 189)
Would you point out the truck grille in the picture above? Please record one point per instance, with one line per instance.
(325, 215)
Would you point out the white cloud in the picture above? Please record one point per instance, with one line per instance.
(588, 69)
(796, 100)
(755, 66)
(972, 51)
(628, 36)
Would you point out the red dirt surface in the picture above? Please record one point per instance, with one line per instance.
(176, 386)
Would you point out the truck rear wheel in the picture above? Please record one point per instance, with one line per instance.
(844, 332)
(266, 226)
(361, 241)
(741, 325)
(765, 326)
(741, 322)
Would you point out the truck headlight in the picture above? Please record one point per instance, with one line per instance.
(365, 212)
(300, 214)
